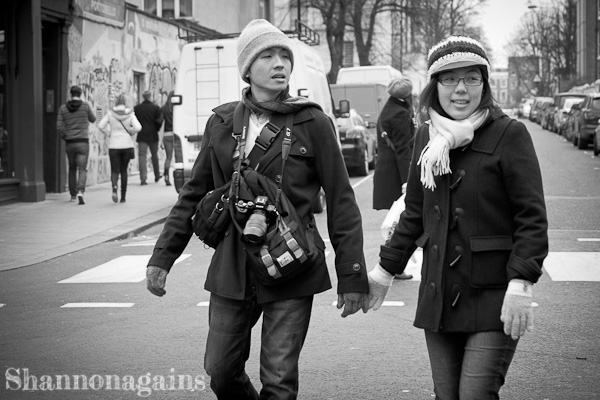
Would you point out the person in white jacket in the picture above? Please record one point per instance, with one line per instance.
(121, 125)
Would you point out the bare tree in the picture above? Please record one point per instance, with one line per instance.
(334, 14)
(547, 34)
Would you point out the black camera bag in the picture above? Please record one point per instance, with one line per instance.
(212, 216)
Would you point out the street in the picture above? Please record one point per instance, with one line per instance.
(86, 321)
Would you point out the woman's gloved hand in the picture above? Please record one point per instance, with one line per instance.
(517, 311)
(380, 282)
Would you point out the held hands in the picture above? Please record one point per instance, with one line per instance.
(352, 302)
(517, 311)
(156, 278)
(380, 282)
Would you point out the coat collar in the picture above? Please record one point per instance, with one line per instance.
(486, 139)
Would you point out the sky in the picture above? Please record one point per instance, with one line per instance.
(499, 20)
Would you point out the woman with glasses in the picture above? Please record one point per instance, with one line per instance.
(475, 205)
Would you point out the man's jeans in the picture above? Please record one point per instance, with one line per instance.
(469, 366)
(143, 154)
(77, 154)
(284, 328)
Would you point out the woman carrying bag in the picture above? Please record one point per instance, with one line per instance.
(120, 124)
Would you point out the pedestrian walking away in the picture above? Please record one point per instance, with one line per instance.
(395, 131)
(150, 116)
(475, 204)
(239, 286)
(73, 125)
(167, 112)
(120, 125)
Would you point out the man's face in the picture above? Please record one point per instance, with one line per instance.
(270, 73)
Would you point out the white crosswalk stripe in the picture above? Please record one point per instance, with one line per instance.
(124, 269)
(573, 266)
(97, 305)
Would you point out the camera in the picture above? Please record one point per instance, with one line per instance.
(256, 227)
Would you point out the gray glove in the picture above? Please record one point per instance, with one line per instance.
(156, 278)
(380, 282)
(517, 311)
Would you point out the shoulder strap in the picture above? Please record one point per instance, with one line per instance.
(267, 136)
(126, 130)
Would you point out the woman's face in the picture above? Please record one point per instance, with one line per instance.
(461, 100)
(270, 73)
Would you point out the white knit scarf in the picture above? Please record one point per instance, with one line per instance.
(445, 134)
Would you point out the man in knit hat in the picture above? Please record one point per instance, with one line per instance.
(240, 291)
(395, 129)
(72, 124)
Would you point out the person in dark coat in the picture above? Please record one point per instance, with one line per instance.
(475, 204)
(395, 130)
(150, 117)
(73, 126)
(238, 298)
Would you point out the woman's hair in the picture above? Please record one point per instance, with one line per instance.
(429, 96)
(121, 100)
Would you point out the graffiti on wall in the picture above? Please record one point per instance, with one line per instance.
(106, 68)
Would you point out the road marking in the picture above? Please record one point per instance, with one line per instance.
(573, 266)
(97, 305)
(588, 239)
(203, 304)
(150, 242)
(366, 178)
(2, 305)
(389, 303)
(124, 269)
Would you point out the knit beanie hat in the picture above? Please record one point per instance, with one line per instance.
(258, 36)
(400, 88)
(456, 52)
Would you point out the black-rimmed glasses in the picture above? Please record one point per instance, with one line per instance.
(455, 80)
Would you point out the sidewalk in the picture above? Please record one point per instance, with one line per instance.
(31, 233)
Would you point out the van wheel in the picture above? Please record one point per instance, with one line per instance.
(363, 169)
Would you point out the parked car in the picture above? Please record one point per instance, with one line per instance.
(536, 107)
(525, 107)
(358, 143)
(597, 140)
(546, 116)
(582, 121)
(563, 103)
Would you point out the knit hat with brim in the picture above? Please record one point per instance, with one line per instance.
(456, 52)
(258, 36)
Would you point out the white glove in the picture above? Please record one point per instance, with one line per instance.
(517, 311)
(380, 282)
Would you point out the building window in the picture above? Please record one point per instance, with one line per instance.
(150, 7)
(185, 8)
(168, 9)
(348, 59)
(503, 83)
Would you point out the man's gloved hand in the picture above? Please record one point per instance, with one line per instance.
(517, 311)
(380, 282)
(352, 302)
(156, 278)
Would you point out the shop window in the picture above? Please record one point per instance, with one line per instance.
(150, 6)
(168, 9)
(185, 8)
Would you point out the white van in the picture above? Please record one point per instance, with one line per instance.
(208, 76)
(368, 74)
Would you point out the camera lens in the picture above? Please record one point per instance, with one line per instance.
(256, 228)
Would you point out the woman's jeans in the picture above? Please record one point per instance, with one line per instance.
(284, 328)
(119, 162)
(77, 155)
(469, 366)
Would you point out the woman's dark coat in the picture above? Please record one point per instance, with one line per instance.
(391, 169)
(483, 225)
(315, 160)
